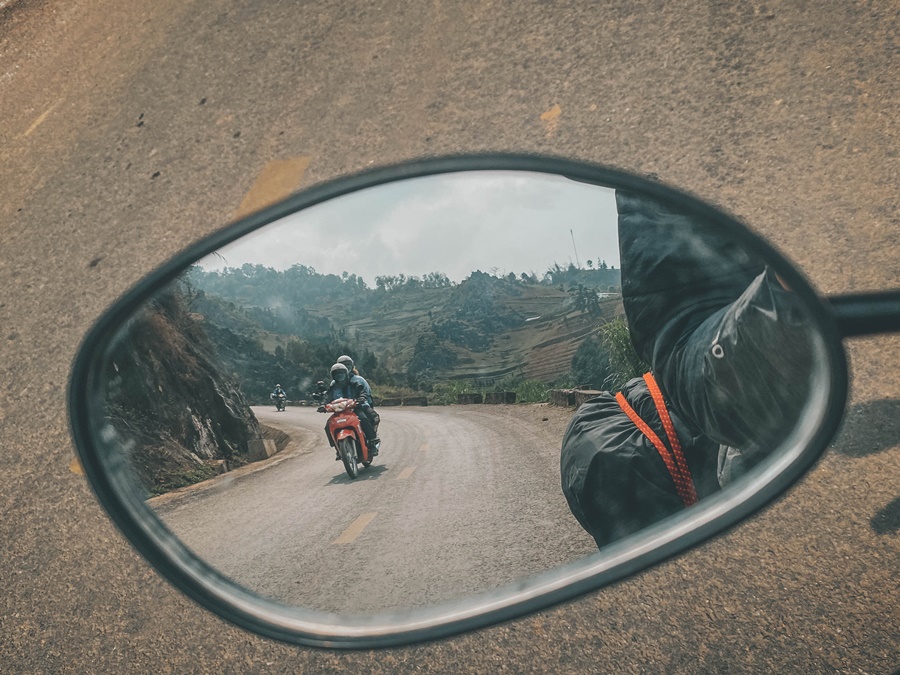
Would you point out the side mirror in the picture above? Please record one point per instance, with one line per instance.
(482, 298)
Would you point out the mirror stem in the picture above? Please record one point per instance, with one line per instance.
(866, 313)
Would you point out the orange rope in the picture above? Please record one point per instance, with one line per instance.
(676, 464)
(670, 432)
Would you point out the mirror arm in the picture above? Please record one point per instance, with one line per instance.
(866, 313)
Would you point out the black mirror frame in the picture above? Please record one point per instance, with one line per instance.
(290, 624)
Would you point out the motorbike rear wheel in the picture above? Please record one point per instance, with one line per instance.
(347, 448)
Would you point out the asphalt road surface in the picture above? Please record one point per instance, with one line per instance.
(129, 129)
(461, 500)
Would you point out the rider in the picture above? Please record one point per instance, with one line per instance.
(369, 410)
(344, 386)
(319, 394)
(277, 393)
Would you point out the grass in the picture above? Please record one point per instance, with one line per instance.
(183, 479)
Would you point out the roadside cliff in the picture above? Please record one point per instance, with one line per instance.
(180, 416)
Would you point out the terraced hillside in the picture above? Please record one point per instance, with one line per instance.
(552, 357)
(540, 347)
(484, 329)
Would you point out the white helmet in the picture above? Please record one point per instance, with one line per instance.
(340, 373)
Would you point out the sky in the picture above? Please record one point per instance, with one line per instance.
(492, 221)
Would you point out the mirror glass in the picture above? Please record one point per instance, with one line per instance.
(502, 324)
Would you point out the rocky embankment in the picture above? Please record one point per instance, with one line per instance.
(180, 416)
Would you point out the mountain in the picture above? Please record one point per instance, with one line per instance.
(407, 331)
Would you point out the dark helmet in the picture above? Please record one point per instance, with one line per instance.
(340, 373)
(346, 360)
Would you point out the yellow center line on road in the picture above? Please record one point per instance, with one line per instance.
(75, 466)
(277, 180)
(40, 119)
(356, 527)
(406, 473)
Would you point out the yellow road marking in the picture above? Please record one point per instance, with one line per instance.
(40, 119)
(277, 180)
(550, 118)
(406, 473)
(356, 527)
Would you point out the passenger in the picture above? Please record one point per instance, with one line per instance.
(369, 410)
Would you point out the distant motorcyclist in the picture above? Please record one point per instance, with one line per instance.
(279, 396)
(319, 394)
(343, 385)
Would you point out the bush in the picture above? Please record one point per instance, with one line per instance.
(532, 391)
(606, 362)
(444, 393)
(590, 364)
(624, 362)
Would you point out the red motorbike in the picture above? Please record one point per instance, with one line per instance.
(345, 433)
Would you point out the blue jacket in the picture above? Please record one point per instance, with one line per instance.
(359, 379)
(356, 387)
(349, 389)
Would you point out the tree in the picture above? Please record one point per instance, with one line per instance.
(436, 280)
(430, 354)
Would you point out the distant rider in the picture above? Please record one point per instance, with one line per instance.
(278, 393)
(319, 394)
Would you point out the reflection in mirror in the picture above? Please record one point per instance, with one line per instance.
(500, 326)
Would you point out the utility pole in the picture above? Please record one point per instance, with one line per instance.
(577, 264)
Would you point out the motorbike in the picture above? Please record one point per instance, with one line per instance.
(345, 433)
(279, 401)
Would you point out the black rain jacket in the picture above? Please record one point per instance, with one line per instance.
(730, 350)
(613, 477)
(730, 347)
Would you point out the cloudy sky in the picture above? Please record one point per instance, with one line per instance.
(452, 223)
